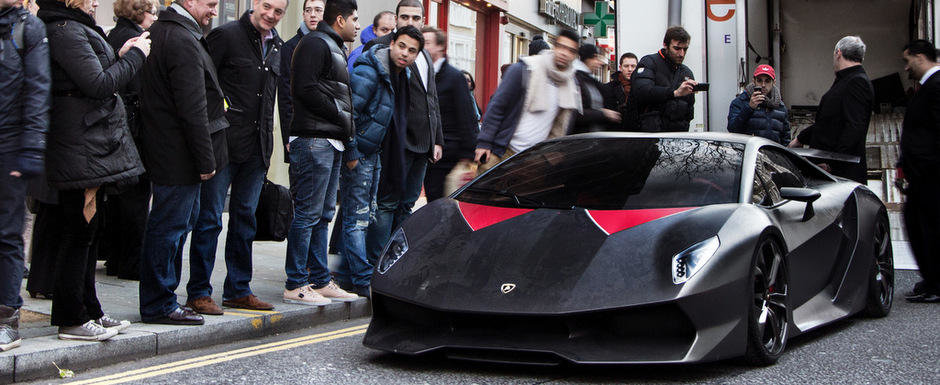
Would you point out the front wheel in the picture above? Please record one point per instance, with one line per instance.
(881, 280)
(768, 315)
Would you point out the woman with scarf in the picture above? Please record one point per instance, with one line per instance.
(89, 147)
(759, 110)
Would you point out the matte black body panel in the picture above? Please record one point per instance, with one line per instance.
(583, 296)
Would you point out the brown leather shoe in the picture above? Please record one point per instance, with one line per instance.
(204, 305)
(249, 301)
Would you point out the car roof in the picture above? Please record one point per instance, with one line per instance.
(751, 145)
(716, 136)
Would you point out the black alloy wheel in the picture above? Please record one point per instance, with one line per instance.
(881, 283)
(768, 313)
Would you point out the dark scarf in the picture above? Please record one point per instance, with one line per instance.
(393, 146)
(626, 84)
(51, 11)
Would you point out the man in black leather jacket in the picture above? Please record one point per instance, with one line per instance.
(25, 82)
(245, 53)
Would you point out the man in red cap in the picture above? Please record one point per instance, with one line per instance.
(759, 110)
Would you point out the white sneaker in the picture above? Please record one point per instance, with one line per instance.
(89, 331)
(304, 295)
(111, 323)
(333, 292)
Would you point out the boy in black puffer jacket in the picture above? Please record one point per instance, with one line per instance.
(25, 102)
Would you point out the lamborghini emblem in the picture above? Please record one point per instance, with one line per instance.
(507, 287)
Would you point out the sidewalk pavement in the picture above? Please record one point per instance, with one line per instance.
(118, 297)
(41, 347)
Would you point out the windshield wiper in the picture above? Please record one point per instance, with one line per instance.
(505, 193)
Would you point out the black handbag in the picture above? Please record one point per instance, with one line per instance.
(274, 213)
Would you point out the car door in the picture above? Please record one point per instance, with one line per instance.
(813, 244)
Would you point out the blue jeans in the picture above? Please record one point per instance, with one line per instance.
(12, 213)
(394, 206)
(246, 179)
(314, 178)
(172, 215)
(359, 186)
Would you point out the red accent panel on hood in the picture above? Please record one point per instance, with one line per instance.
(480, 216)
(612, 221)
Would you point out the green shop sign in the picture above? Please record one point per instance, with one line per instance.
(600, 19)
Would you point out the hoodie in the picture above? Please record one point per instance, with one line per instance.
(366, 36)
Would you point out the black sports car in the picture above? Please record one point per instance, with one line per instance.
(634, 248)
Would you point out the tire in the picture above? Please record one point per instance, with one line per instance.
(880, 295)
(768, 312)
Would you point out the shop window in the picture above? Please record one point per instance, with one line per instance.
(462, 32)
(230, 10)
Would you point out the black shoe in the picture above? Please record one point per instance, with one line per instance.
(178, 317)
(919, 288)
(363, 291)
(924, 298)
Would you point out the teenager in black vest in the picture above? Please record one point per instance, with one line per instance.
(321, 128)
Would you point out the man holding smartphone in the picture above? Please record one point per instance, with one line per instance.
(664, 88)
(759, 110)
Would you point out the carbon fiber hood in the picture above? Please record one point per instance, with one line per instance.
(543, 261)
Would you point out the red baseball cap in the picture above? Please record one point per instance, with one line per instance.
(764, 69)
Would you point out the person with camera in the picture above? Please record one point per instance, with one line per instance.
(664, 88)
(759, 110)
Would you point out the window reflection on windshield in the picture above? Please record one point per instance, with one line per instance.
(613, 174)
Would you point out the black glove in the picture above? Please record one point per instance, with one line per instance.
(29, 163)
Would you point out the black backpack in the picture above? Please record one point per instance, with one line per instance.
(274, 213)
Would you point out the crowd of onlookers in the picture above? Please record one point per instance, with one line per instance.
(128, 142)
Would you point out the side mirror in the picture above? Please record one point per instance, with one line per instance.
(799, 194)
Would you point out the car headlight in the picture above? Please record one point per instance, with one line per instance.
(691, 260)
(396, 248)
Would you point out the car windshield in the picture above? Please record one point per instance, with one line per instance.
(614, 174)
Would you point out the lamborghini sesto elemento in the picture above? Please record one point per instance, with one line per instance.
(634, 248)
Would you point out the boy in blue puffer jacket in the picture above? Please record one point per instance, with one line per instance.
(760, 112)
(379, 83)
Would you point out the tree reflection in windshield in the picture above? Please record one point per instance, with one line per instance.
(614, 173)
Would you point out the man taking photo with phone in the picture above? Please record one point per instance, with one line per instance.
(759, 110)
(664, 88)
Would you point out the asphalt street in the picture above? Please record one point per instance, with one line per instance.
(899, 349)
